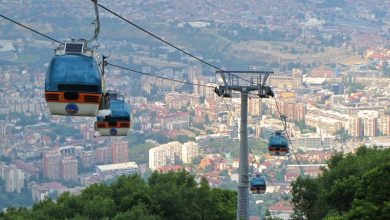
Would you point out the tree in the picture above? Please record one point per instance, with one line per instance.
(184, 138)
(198, 125)
(160, 138)
(196, 160)
(343, 135)
(386, 68)
(268, 216)
(209, 131)
(172, 195)
(303, 127)
(355, 186)
(355, 87)
(206, 119)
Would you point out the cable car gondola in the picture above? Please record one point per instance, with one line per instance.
(74, 79)
(74, 83)
(258, 184)
(119, 122)
(278, 144)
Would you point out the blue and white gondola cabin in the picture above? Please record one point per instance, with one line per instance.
(258, 184)
(119, 122)
(74, 81)
(278, 144)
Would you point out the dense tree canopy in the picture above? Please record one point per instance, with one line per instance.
(355, 186)
(174, 195)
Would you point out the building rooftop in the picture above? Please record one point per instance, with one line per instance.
(381, 141)
(117, 166)
(282, 206)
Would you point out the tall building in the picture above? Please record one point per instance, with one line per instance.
(370, 122)
(104, 155)
(189, 151)
(69, 168)
(164, 154)
(254, 106)
(2, 169)
(194, 72)
(197, 88)
(281, 81)
(297, 78)
(370, 126)
(324, 124)
(52, 164)
(293, 110)
(120, 152)
(88, 159)
(355, 128)
(385, 125)
(13, 177)
(210, 93)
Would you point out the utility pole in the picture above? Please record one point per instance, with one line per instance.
(239, 81)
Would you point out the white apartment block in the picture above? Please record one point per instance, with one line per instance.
(354, 127)
(254, 107)
(385, 125)
(370, 122)
(164, 154)
(189, 151)
(210, 94)
(167, 154)
(316, 112)
(13, 177)
(323, 124)
(314, 141)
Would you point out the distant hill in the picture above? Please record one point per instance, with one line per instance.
(356, 186)
(164, 196)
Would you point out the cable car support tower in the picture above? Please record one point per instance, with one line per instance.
(232, 82)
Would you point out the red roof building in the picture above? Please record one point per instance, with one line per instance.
(281, 209)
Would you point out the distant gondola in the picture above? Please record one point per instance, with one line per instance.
(258, 184)
(119, 122)
(278, 144)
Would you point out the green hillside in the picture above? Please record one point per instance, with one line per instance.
(164, 196)
(355, 186)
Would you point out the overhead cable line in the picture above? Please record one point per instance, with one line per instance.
(175, 80)
(265, 175)
(117, 66)
(250, 149)
(231, 114)
(180, 81)
(283, 118)
(110, 64)
(133, 24)
(148, 74)
(164, 41)
(136, 71)
(28, 28)
(157, 37)
(55, 40)
(157, 76)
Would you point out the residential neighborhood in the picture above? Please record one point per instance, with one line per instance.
(331, 68)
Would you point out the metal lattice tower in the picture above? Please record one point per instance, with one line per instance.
(244, 82)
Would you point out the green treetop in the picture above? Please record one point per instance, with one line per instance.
(354, 186)
(172, 195)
